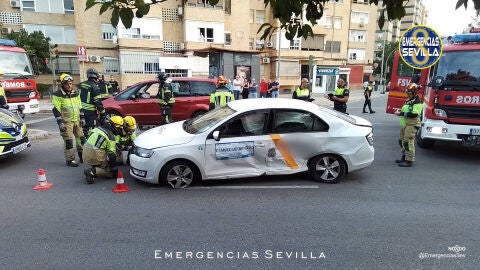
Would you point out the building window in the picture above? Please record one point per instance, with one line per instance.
(176, 72)
(315, 43)
(358, 36)
(336, 22)
(57, 34)
(67, 64)
(228, 38)
(356, 54)
(28, 5)
(144, 28)
(260, 44)
(260, 16)
(108, 31)
(364, 2)
(206, 34)
(139, 62)
(332, 46)
(111, 65)
(359, 17)
(68, 6)
(295, 44)
(250, 43)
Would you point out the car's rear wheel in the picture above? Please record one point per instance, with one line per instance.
(179, 174)
(327, 168)
(198, 113)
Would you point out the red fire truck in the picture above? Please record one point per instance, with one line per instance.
(18, 78)
(450, 90)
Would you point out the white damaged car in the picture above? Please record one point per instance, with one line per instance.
(254, 137)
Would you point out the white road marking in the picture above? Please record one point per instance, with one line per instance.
(252, 187)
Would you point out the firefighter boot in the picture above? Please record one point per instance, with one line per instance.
(72, 163)
(406, 163)
(89, 175)
(400, 160)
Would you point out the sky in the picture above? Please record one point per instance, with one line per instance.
(445, 19)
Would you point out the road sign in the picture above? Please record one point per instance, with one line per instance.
(82, 54)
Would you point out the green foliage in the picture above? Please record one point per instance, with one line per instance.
(36, 44)
(43, 89)
(283, 10)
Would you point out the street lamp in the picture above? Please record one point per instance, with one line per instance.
(381, 67)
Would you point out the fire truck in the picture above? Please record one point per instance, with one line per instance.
(450, 90)
(18, 78)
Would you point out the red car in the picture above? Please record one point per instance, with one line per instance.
(192, 98)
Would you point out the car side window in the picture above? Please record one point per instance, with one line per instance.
(202, 88)
(129, 92)
(248, 124)
(181, 89)
(142, 91)
(152, 90)
(290, 121)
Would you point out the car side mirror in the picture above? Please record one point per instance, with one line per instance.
(132, 97)
(216, 135)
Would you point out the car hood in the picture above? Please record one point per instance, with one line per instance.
(166, 135)
(12, 124)
(359, 121)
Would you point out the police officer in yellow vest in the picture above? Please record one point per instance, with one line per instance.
(68, 112)
(222, 95)
(302, 92)
(340, 96)
(410, 123)
(3, 98)
(100, 150)
(165, 98)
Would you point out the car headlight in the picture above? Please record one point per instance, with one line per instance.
(440, 113)
(142, 152)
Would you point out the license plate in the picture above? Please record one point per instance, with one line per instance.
(475, 131)
(19, 148)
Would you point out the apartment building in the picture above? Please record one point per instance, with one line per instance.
(200, 40)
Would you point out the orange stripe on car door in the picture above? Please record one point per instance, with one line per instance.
(284, 151)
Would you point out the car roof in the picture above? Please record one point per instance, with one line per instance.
(272, 103)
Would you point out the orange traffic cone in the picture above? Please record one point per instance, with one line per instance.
(120, 187)
(42, 181)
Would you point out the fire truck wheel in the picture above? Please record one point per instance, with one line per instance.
(423, 143)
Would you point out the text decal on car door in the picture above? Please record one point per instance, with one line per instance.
(284, 151)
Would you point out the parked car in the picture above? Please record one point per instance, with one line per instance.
(13, 133)
(192, 98)
(254, 137)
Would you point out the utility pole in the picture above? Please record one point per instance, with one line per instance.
(381, 68)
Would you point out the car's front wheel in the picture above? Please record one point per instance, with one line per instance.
(327, 168)
(179, 174)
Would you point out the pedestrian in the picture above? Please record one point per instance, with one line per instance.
(166, 99)
(229, 85)
(237, 87)
(269, 88)
(68, 112)
(100, 150)
(115, 87)
(274, 88)
(3, 97)
(410, 122)
(340, 96)
(222, 95)
(368, 97)
(302, 92)
(91, 101)
(246, 88)
(252, 91)
(263, 88)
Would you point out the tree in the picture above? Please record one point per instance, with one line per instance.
(36, 45)
(283, 10)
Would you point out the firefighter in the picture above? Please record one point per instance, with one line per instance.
(125, 142)
(222, 95)
(410, 123)
(91, 101)
(165, 98)
(100, 150)
(104, 86)
(3, 98)
(340, 96)
(68, 112)
(302, 92)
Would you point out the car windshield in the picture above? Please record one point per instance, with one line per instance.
(208, 120)
(14, 64)
(458, 68)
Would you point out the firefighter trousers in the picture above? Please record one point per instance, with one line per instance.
(97, 158)
(73, 131)
(407, 142)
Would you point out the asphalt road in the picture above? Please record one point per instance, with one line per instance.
(384, 217)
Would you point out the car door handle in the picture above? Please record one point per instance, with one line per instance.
(260, 145)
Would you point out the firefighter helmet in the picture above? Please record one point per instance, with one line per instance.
(130, 124)
(65, 78)
(115, 124)
(221, 81)
(412, 88)
(92, 73)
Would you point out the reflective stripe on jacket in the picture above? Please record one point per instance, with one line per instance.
(102, 138)
(411, 112)
(221, 97)
(166, 96)
(301, 93)
(67, 107)
(90, 96)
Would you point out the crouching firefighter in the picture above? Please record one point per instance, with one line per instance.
(410, 122)
(68, 112)
(100, 150)
(125, 143)
(165, 98)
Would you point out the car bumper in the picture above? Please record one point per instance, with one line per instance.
(439, 130)
(362, 158)
(32, 106)
(14, 147)
(144, 169)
